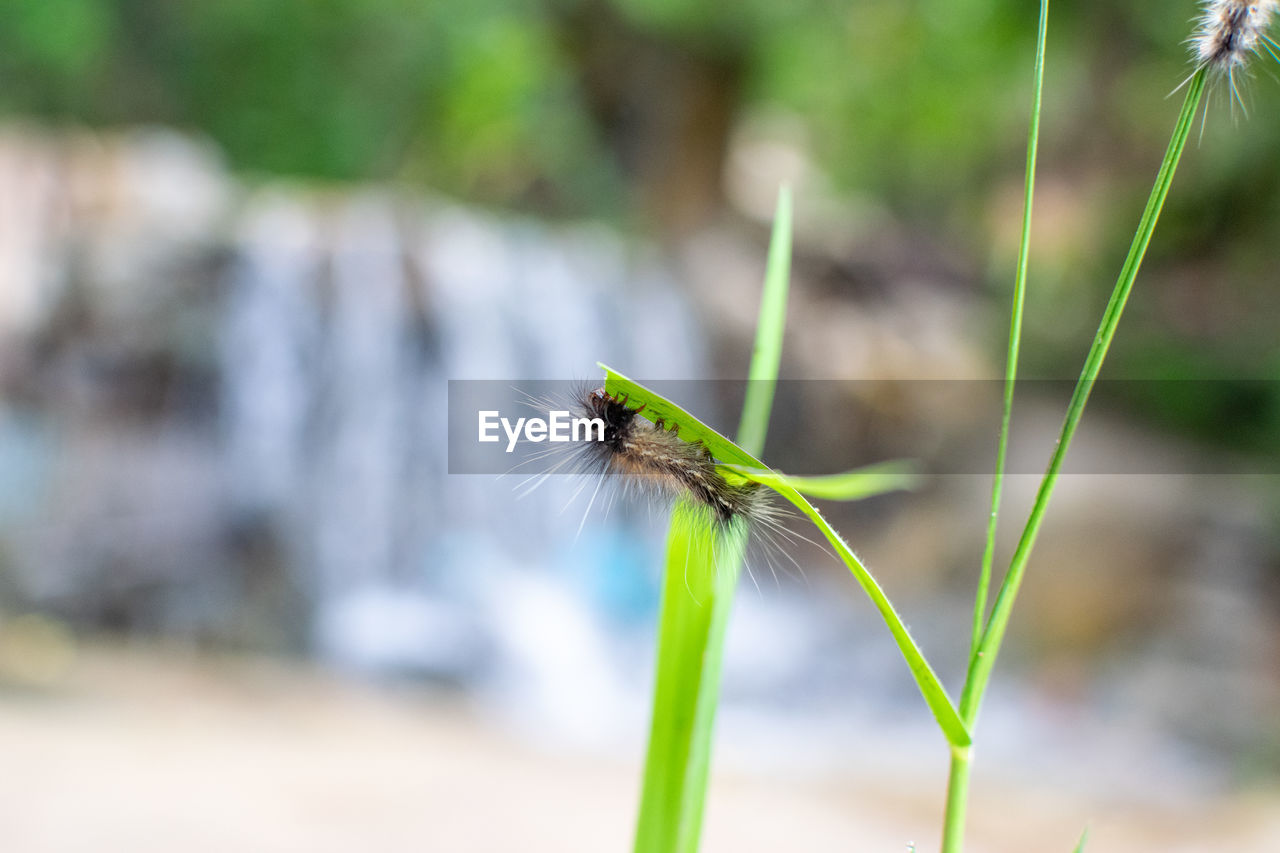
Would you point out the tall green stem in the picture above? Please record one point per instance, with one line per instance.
(1015, 331)
(957, 800)
(958, 778)
(984, 655)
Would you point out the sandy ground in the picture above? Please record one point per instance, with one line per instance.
(141, 751)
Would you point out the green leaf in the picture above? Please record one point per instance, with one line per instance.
(767, 353)
(856, 484)
(656, 408)
(691, 429)
(703, 564)
(1084, 839)
(699, 580)
(935, 695)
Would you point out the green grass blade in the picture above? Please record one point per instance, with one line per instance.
(1015, 331)
(984, 659)
(658, 408)
(961, 759)
(856, 484)
(701, 575)
(767, 353)
(935, 695)
(1084, 839)
(850, 485)
(698, 584)
(725, 566)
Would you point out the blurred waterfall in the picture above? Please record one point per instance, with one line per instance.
(226, 411)
(342, 323)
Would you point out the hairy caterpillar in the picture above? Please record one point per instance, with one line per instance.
(652, 459)
(656, 456)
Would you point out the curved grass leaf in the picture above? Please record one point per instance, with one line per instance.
(658, 408)
(746, 465)
(935, 695)
(856, 484)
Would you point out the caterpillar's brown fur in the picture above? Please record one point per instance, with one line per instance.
(661, 460)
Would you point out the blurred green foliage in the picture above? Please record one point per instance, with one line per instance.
(921, 100)
(476, 97)
(468, 96)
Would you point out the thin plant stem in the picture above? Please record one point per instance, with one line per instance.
(958, 778)
(983, 659)
(1015, 331)
(953, 819)
(766, 355)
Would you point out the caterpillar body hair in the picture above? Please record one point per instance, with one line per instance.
(651, 458)
(652, 455)
(1230, 31)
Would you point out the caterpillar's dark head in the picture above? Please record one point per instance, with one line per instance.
(615, 414)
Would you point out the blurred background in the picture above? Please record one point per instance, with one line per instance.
(243, 245)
